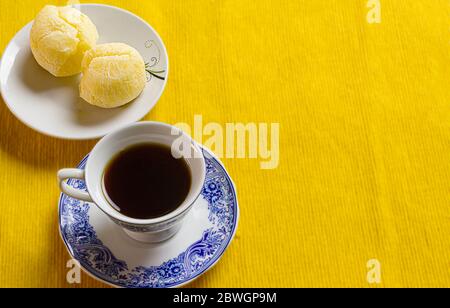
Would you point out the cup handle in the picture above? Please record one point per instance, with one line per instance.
(65, 174)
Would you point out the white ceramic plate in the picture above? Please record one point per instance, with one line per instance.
(52, 105)
(106, 253)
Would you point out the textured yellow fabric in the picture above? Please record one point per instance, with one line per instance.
(364, 113)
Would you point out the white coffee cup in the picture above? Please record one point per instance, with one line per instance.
(144, 230)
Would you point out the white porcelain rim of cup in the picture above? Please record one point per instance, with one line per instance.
(197, 184)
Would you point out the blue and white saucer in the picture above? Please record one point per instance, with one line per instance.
(108, 254)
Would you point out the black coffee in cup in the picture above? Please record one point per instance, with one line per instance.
(145, 181)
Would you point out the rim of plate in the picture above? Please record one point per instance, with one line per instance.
(214, 260)
(97, 135)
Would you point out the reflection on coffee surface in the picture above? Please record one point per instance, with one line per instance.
(145, 181)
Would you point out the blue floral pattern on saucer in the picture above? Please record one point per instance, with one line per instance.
(82, 242)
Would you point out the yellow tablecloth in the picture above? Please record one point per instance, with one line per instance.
(364, 113)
